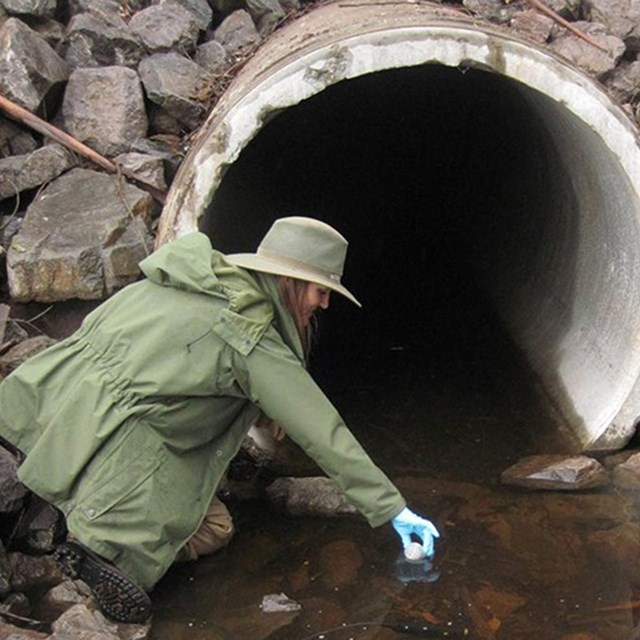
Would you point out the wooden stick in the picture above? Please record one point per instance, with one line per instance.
(538, 4)
(20, 114)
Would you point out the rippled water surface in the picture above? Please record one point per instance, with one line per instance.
(443, 421)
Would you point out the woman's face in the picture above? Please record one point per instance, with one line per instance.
(315, 297)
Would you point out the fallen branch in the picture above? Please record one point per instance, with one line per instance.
(41, 126)
(538, 4)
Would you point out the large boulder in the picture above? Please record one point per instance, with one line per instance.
(82, 238)
(104, 108)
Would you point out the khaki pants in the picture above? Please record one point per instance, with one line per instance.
(214, 533)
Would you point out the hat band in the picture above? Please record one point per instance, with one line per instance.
(297, 264)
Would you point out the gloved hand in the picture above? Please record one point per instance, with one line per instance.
(407, 522)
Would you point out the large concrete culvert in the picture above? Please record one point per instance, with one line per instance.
(436, 143)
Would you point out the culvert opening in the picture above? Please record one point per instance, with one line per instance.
(489, 200)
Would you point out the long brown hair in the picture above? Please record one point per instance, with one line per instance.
(293, 293)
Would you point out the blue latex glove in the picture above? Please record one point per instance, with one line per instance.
(407, 522)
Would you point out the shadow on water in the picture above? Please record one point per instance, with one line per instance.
(443, 409)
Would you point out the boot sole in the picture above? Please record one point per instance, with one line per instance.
(120, 598)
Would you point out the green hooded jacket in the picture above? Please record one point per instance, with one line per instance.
(130, 423)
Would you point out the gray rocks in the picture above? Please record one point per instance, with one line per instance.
(104, 108)
(212, 57)
(237, 33)
(199, 9)
(164, 27)
(585, 55)
(622, 17)
(21, 172)
(14, 140)
(174, 83)
(94, 41)
(556, 472)
(626, 475)
(25, 349)
(95, 235)
(29, 68)
(39, 8)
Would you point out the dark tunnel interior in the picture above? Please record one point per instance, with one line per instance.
(427, 171)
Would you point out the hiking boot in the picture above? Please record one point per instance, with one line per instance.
(120, 598)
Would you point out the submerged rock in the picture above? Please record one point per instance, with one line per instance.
(310, 496)
(556, 472)
(626, 475)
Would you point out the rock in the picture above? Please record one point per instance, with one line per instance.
(173, 81)
(80, 622)
(18, 604)
(626, 475)
(617, 550)
(31, 8)
(15, 141)
(12, 491)
(82, 238)
(33, 572)
(533, 24)
(19, 173)
(310, 496)
(64, 595)
(164, 27)
(339, 563)
(225, 7)
(149, 168)
(237, 34)
(11, 632)
(585, 55)
(200, 10)
(556, 472)
(624, 81)
(104, 9)
(266, 14)
(278, 602)
(104, 108)
(93, 41)
(30, 70)
(494, 10)
(41, 527)
(27, 348)
(621, 17)
(212, 57)
(5, 574)
(52, 31)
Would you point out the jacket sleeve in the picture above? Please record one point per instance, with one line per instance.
(275, 380)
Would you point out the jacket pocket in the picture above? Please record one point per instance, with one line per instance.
(120, 477)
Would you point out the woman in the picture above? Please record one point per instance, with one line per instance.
(129, 424)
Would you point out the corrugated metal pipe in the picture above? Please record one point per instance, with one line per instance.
(426, 134)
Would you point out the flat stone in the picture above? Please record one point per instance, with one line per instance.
(105, 109)
(82, 623)
(94, 41)
(30, 69)
(310, 496)
(171, 81)
(82, 238)
(237, 33)
(19, 173)
(556, 472)
(165, 27)
(585, 55)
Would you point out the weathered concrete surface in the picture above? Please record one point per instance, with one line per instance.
(95, 235)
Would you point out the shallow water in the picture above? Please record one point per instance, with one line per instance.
(443, 421)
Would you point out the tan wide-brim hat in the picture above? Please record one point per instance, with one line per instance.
(302, 248)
